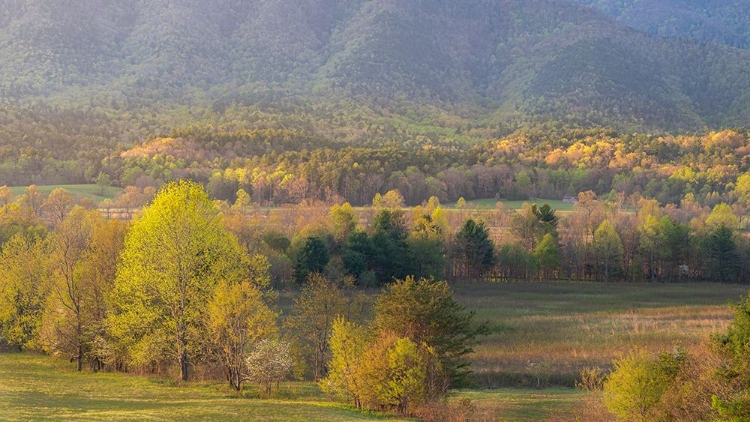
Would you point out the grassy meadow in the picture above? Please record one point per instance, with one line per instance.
(35, 387)
(40, 387)
(92, 192)
(490, 203)
(542, 335)
(545, 333)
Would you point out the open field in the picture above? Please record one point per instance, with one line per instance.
(38, 387)
(490, 203)
(87, 191)
(45, 388)
(544, 333)
(520, 405)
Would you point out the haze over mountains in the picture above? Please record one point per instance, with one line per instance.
(721, 21)
(648, 65)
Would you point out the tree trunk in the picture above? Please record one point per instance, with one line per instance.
(183, 365)
(606, 270)
(79, 331)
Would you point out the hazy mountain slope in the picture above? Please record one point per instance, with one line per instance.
(720, 21)
(529, 60)
(53, 43)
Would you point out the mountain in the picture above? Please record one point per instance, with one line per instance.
(720, 21)
(517, 60)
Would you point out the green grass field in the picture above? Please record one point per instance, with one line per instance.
(542, 334)
(92, 192)
(34, 387)
(490, 203)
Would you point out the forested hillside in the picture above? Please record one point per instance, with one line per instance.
(721, 21)
(521, 61)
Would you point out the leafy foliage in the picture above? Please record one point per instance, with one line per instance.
(426, 312)
(23, 290)
(175, 254)
(239, 320)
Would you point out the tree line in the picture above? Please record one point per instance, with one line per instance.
(531, 163)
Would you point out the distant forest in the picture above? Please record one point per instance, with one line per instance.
(341, 100)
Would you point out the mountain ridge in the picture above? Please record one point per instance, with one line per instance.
(534, 60)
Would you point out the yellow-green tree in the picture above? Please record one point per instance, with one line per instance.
(608, 249)
(238, 319)
(98, 272)
(637, 383)
(426, 312)
(23, 290)
(343, 221)
(312, 314)
(66, 320)
(347, 343)
(175, 255)
(381, 371)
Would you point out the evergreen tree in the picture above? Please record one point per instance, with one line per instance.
(312, 258)
(474, 251)
(722, 250)
(391, 257)
(426, 312)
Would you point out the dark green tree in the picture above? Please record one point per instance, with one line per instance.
(357, 253)
(425, 311)
(474, 251)
(391, 257)
(722, 250)
(312, 258)
(547, 219)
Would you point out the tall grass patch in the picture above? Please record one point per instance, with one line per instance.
(543, 334)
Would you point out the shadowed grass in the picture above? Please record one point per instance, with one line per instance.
(34, 387)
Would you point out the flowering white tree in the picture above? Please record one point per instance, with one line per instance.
(269, 362)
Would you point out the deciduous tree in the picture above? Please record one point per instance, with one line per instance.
(608, 249)
(67, 319)
(269, 362)
(313, 312)
(175, 254)
(239, 320)
(24, 283)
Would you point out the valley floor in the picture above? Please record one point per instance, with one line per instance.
(542, 334)
(36, 387)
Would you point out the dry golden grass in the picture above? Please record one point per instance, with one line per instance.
(545, 333)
